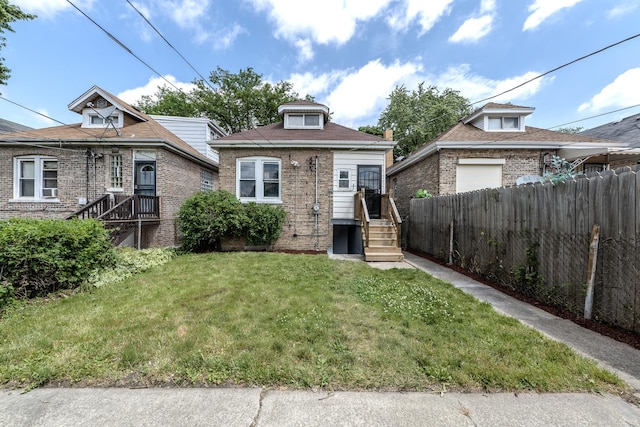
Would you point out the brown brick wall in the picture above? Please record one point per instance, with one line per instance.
(517, 163)
(176, 179)
(405, 183)
(300, 231)
(437, 173)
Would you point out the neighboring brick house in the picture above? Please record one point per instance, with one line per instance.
(115, 151)
(311, 167)
(490, 148)
(625, 130)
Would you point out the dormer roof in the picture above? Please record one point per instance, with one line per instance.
(494, 109)
(88, 101)
(304, 106)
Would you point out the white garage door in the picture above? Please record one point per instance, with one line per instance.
(472, 175)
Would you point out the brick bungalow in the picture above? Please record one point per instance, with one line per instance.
(490, 148)
(119, 165)
(316, 170)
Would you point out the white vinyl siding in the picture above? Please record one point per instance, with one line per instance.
(477, 174)
(348, 162)
(192, 130)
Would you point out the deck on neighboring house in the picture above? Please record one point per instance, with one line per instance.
(122, 214)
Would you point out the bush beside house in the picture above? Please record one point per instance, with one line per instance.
(41, 256)
(208, 218)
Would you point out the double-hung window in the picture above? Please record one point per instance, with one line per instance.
(258, 179)
(35, 177)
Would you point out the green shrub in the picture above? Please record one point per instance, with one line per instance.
(423, 194)
(264, 223)
(206, 217)
(42, 256)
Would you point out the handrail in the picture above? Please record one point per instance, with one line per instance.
(117, 208)
(362, 213)
(93, 209)
(395, 218)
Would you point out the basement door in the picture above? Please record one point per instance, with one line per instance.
(370, 178)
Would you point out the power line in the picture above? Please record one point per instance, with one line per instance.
(122, 45)
(49, 118)
(558, 68)
(169, 43)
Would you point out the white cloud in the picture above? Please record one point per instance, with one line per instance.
(50, 8)
(225, 38)
(305, 49)
(622, 92)
(357, 97)
(473, 29)
(331, 21)
(132, 96)
(622, 9)
(361, 95)
(475, 87)
(426, 12)
(543, 9)
(187, 13)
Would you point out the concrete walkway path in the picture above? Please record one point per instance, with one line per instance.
(262, 407)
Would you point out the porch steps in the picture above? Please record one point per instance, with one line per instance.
(383, 243)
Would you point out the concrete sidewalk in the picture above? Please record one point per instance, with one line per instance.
(262, 407)
(258, 407)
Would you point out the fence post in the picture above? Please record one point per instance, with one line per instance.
(451, 242)
(591, 270)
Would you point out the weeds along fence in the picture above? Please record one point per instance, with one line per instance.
(535, 240)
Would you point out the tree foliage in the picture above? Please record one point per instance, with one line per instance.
(571, 129)
(8, 13)
(237, 102)
(418, 116)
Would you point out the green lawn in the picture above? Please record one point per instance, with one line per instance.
(282, 320)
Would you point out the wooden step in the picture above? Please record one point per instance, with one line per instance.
(383, 256)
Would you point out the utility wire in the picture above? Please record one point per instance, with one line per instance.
(49, 118)
(558, 68)
(169, 43)
(122, 45)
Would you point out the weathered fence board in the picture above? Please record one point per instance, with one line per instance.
(535, 238)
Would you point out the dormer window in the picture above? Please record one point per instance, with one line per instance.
(99, 120)
(504, 123)
(303, 121)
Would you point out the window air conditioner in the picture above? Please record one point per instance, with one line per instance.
(49, 193)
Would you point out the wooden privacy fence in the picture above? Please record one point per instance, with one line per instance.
(535, 239)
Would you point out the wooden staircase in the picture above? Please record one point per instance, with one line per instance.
(383, 242)
(122, 215)
(381, 237)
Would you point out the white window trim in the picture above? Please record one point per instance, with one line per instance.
(88, 113)
(38, 179)
(259, 161)
(338, 179)
(520, 127)
(288, 125)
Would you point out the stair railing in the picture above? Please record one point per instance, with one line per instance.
(94, 209)
(362, 213)
(390, 211)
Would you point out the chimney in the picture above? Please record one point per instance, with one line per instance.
(388, 136)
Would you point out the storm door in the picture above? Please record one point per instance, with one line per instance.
(370, 178)
(145, 185)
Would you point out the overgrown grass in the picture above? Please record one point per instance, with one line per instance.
(284, 320)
